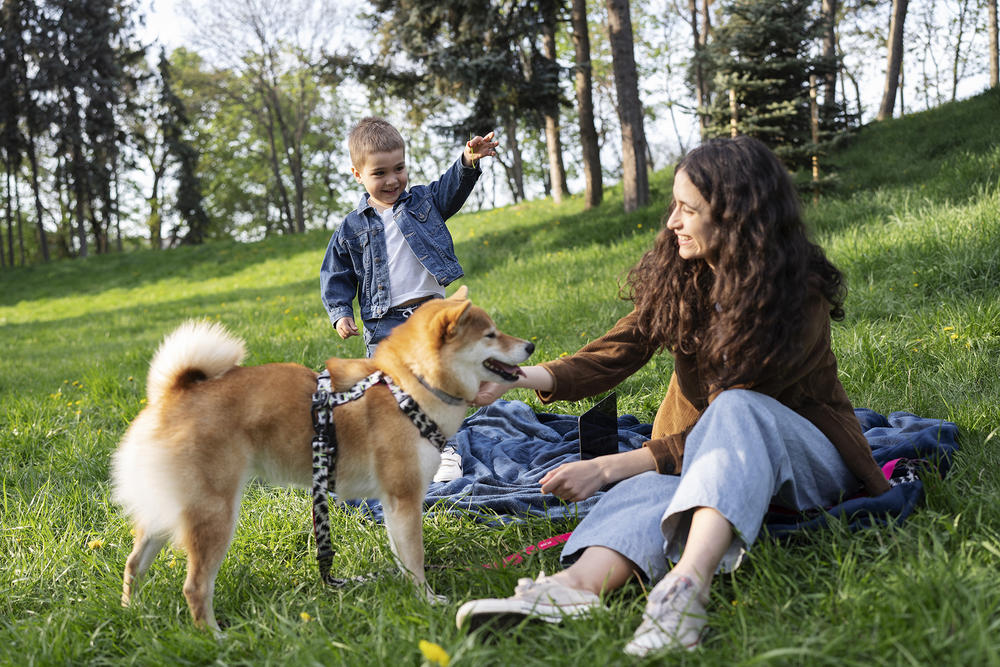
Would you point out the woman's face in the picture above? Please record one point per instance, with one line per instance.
(691, 222)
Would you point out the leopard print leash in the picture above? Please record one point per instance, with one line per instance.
(324, 454)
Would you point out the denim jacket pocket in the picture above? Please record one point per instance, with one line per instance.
(422, 210)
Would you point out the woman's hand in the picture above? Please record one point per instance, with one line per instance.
(532, 377)
(489, 392)
(580, 480)
(574, 481)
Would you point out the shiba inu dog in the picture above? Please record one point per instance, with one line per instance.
(211, 424)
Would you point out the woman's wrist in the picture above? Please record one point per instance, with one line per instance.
(535, 377)
(617, 467)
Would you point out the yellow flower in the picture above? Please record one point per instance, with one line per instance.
(948, 329)
(954, 336)
(95, 544)
(305, 617)
(434, 653)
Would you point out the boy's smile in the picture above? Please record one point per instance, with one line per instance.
(384, 177)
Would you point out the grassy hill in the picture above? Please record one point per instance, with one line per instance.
(914, 221)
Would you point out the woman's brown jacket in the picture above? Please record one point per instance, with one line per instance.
(811, 389)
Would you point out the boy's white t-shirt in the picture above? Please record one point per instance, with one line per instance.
(408, 279)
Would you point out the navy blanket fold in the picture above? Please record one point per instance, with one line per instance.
(507, 447)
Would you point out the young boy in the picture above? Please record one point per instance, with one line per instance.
(394, 251)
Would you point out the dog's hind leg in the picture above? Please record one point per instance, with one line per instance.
(403, 516)
(206, 535)
(144, 550)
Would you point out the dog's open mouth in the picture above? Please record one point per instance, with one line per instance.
(506, 371)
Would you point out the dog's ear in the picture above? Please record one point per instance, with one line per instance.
(451, 319)
(461, 294)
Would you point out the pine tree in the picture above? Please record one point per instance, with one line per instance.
(761, 59)
(174, 119)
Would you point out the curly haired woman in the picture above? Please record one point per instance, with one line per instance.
(754, 412)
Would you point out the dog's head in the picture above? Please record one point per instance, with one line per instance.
(453, 342)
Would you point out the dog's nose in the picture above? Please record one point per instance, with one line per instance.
(529, 347)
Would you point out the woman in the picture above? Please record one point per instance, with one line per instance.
(754, 412)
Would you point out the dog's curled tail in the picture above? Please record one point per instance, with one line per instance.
(196, 350)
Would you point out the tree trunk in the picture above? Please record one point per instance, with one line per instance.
(9, 200)
(994, 58)
(585, 107)
(553, 143)
(894, 59)
(43, 241)
(516, 171)
(634, 176)
(699, 41)
(829, 12)
(956, 61)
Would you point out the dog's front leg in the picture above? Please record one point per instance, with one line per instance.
(403, 524)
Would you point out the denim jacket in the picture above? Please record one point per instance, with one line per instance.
(355, 264)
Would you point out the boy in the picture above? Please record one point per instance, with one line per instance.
(394, 251)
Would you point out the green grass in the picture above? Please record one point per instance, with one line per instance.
(915, 223)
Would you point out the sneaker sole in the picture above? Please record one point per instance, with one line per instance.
(500, 614)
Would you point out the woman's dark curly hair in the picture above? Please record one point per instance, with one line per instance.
(747, 314)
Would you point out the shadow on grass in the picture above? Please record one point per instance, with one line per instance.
(93, 275)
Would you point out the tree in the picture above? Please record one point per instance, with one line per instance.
(763, 56)
(174, 120)
(549, 68)
(635, 179)
(700, 79)
(273, 50)
(894, 59)
(994, 58)
(483, 58)
(594, 188)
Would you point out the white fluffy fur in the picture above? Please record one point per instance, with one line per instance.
(199, 344)
(142, 475)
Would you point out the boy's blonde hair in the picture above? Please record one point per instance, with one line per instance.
(372, 135)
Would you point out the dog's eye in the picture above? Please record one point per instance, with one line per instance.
(492, 334)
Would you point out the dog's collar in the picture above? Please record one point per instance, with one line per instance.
(440, 393)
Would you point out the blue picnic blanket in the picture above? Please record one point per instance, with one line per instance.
(506, 447)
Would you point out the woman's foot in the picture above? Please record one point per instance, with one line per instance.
(542, 598)
(674, 618)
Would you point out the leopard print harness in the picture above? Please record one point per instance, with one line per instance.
(324, 453)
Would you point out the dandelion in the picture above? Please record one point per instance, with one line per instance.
(948, 329)
(434, 653)
(305, 617)
(95, 544)
(954, 336)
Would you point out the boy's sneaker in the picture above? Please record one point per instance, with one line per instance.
(451, 465)
(673, 619)
(541, 598)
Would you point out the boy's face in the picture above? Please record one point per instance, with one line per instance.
(384, 177)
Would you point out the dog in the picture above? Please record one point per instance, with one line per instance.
(211, 424)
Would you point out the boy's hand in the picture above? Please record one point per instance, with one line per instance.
(477, 148)
(346, 327)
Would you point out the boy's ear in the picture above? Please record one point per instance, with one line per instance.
(356, 174)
